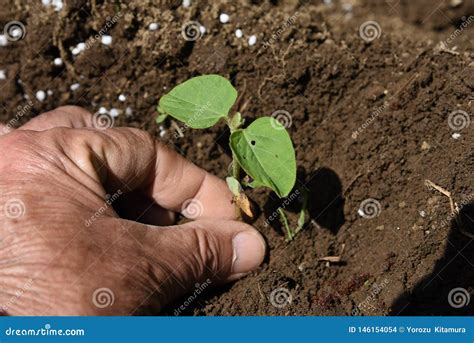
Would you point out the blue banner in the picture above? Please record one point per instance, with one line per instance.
(237, 329)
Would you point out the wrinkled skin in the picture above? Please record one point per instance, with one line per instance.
(66, 251)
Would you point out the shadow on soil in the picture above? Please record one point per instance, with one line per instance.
(449, 289)
(325, 201)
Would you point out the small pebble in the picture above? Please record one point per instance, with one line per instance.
(75, 86)
(114, 112)
(456, 135)
(425, 146)
(2, 74)
(3, 40)
(162, 133)
(16, 33)
(422, 214)
(122, 97)
(153, 27)
(239, 33)
(80, 47)
(102, 110)
(40, 95)
(186, 3)
(202, 29)
(252, 40)
(58, 61)
(403, 204)
(106, 40)
(128, 111)
(224, 18)
(346, 6)
(58, 5)
(49, 92)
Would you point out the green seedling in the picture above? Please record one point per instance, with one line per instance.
(289, 231)
(263, 149)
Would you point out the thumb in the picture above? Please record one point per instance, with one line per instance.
(218, 250)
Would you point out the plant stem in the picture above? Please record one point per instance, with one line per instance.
(234, 124)
(235, 168)
(289, 233)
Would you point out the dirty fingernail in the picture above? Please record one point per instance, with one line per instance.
(249, 251)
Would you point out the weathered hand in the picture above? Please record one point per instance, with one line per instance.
(65, 250)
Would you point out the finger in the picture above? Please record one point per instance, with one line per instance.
(131, 160)
(64, 116)
(215, 250)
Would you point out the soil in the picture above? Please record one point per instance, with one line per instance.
(369, 120)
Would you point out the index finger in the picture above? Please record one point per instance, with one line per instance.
(131, 159)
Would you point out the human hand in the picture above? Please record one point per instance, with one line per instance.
(64, 250)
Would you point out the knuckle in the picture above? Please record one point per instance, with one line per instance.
(28, 148)
(141, 136)
(16, 138)
(16, 142)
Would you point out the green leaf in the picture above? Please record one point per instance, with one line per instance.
(236, 121)
(265, 151)
(199, 102)
(161, 118)
(233, 185)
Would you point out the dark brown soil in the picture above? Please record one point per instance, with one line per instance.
(369, 121)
